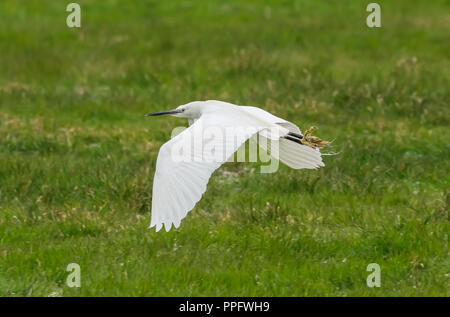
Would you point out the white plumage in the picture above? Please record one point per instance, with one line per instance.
(217, 129)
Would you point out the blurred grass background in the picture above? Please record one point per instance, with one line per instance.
(77, 156)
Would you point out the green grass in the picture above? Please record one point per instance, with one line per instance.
(77, 156)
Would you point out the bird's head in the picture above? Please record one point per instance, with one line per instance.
(190, 110)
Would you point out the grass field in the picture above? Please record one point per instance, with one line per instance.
(77, 156)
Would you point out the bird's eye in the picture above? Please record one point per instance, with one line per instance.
(183, 110)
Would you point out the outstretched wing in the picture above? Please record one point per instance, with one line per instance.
(292, 154)
(186, 162)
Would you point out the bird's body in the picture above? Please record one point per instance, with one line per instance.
(217, 129)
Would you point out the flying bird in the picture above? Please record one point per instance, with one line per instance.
(216, 130)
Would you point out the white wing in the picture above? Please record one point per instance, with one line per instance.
(290, 153)
(180, 181)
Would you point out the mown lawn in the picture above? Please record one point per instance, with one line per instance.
(77, 156)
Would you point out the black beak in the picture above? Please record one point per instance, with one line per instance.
(163, 112)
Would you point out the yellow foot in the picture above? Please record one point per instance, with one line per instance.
(313, 141)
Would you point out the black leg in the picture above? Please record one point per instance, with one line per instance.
(293, 139)
(295, 135)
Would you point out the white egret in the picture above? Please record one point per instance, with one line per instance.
(179, 184)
